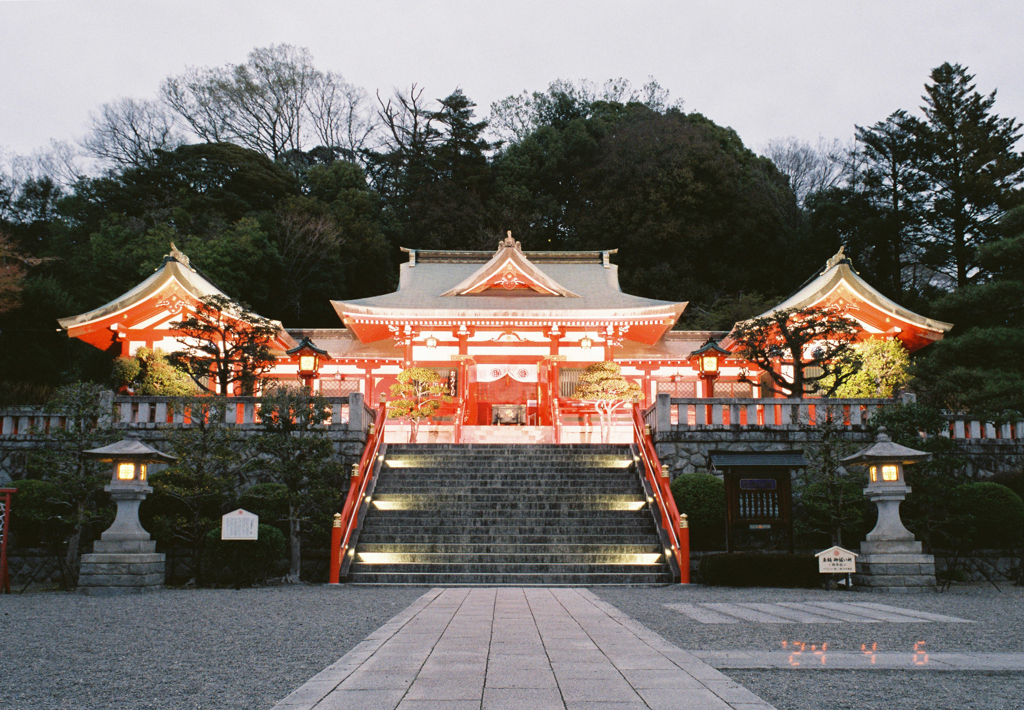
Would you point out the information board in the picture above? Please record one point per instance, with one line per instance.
(836, 560)
(239, 525)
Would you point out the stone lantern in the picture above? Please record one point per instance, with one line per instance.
(890, 559)
(124, 559)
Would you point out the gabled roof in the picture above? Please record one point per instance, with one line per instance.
(175, 269)
(839, 284)
(160, 298)
(509, 269)
(437, 289)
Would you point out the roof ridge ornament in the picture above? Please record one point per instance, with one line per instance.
(839, 258)
(509, 243)
(179, 257)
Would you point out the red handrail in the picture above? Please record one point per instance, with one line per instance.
(670, 519)
(345, 523)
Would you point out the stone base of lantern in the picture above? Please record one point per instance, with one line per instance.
(894, 566)
(124, 560)
(121, 567)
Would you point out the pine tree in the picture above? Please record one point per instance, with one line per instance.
(967, 154)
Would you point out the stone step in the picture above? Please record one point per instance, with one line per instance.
(482, 538)
(470, 579)
(506, 560)
(501, 568)
(511, 548)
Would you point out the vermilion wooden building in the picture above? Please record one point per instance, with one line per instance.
(510, 331)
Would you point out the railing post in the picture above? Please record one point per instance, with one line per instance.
(958, 429)
(975, 429)
(334, 576)
(684, 549)
(356, 421)
(663, 413)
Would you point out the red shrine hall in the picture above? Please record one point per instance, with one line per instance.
(511, 332)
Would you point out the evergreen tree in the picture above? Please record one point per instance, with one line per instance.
(967, 154)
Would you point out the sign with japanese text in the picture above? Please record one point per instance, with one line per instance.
(239, 525)
(836, 560)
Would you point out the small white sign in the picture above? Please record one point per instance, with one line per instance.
(239, 525)
(836, 560)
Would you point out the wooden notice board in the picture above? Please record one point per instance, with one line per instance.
(758, 494)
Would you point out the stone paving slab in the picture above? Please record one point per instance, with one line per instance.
(817, 612)
(518, 648)
(847, 660)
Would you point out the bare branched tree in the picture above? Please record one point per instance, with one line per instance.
(341, 115)
(809, 168)
(310, 236)
(260, 104)
(126, 132)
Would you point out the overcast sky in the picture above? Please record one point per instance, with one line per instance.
(767, 69)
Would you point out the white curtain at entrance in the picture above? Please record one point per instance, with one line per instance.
(520, 373)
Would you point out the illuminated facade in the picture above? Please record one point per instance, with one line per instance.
(511, 331)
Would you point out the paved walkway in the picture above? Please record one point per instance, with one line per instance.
(520, 649)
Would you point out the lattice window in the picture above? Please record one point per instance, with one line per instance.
(338, 388)
(734, 389)
(568, 379)
(679, 388)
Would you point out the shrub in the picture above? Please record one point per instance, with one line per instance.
(747, 569)
(994, 512)
(246, 561)
(36, 514)
(270, 502)
(701, 497)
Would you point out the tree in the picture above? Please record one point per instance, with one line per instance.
(341, 115)
(88, 410)
(967, 154)
(188, 497)
(888, 175)
(127, 133)
(979, 367)
(260, 104)
(832, 496)
(810, 169)
(603, 384)
(13, 270)
(148, 373)
(878, 368)
(788, 343)
(224, 341)
(293, 450)
(418, 394)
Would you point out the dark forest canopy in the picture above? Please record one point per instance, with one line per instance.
(292, 210)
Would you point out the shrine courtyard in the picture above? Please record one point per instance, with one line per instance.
(677, 647)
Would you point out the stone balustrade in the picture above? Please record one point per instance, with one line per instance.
(141, 412)
(730, 414)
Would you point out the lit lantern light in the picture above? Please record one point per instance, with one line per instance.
(431, 342)
(309, 356)
(708, 361)
(129, 458)
(586, 342)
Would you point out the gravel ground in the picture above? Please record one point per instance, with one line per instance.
(226, 649)
(202, 649)
(998, 627)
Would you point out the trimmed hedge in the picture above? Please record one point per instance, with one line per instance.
(995, 513)
(751, 569)
(246, 561)
(701, 497)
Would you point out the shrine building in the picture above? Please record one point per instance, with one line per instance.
(510, 331)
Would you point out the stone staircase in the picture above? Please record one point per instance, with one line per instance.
(476, 514)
